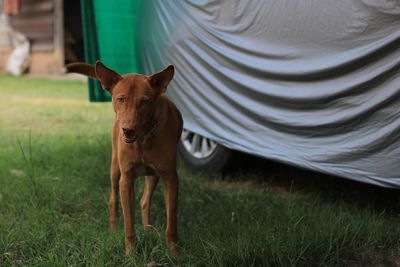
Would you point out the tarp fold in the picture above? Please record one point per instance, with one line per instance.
(311, 83)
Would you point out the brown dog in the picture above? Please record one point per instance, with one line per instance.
(146, 132)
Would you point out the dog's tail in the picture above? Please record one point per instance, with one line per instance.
(82, 68)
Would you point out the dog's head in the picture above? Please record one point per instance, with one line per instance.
(134, 96)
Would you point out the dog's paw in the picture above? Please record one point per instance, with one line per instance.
(149, 227)
(129, 247)
(113, 227)
(173, 250)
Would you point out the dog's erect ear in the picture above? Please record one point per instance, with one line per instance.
(160, 80)
(107, 77)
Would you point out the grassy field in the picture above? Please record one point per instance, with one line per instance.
(54, 160)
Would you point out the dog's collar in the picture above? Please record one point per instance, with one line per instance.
(149, 132)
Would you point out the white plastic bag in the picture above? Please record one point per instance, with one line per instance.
(19, 59)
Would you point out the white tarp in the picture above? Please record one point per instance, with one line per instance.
(313, 83)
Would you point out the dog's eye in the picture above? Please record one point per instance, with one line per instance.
(144, 102)
(121, 100)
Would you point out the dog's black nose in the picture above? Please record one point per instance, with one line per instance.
(128, 132)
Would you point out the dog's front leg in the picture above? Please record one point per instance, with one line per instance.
(145, 202)
(171, 188)
(115, 175)
(127, 193)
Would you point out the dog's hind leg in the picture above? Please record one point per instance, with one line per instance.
(149, 186)
(171, 188)
(115, 175)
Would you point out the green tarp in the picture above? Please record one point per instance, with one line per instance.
(109, 29)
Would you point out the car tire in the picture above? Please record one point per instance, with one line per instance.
(203, 154)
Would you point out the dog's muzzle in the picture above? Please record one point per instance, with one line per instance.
(129, 140)
(129, 135)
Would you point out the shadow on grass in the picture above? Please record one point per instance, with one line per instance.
(288, 179)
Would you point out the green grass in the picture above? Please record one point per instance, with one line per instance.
(54, 160)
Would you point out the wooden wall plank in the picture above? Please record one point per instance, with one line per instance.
(36, 21)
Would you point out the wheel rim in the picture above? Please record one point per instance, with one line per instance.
(198, 146)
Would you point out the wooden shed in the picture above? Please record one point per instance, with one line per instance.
(54, 30)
